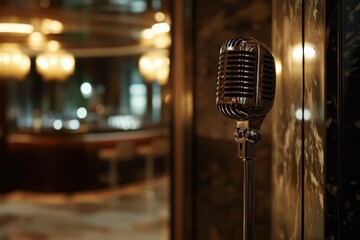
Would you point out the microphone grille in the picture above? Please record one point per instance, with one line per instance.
(237, 73)
(268, 88)
(246, 79)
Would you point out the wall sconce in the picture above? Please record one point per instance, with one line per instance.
(13, 62)
(155, 66)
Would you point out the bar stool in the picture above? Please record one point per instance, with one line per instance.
(122, 151)
(156, 148)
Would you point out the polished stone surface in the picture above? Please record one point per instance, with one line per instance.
(314, 90)
(121, 213)
(287, 125)
(324, 201)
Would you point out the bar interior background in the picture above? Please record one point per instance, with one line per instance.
(63, 132)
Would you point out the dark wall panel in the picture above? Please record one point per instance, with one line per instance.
(349, 163)
(218, 171)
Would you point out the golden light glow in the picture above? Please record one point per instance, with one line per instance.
(50, 26)
(53, 45)
(309, 52)
(21, 28)
(157, 36)
(155, 66)
(162, 40)
(13, 62)
(162, 27)
(147, 33)
(159, 16)
(55, 65)
(36, 40)
(278, 67)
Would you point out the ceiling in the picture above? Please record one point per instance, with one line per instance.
(90, 27)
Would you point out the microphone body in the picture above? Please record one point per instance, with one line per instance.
(245, 92)
(246, 80)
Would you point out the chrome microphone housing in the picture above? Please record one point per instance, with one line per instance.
(246, 80)
(245, 92)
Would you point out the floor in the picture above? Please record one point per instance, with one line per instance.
(131, 213)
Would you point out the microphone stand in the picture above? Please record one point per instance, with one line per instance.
(247, 138)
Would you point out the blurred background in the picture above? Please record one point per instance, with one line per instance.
(109, 129)
(85, 119)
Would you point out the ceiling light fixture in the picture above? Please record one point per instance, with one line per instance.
(21, 28)
(55, 64)
(14, 63)
(155, 66)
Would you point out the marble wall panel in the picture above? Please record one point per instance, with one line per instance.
(329, 189)
(287, 125)
(313, 115)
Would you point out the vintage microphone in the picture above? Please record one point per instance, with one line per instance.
(245, 92)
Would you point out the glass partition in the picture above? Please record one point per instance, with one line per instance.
(84, 119)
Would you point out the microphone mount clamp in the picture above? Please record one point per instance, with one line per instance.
(247, 138)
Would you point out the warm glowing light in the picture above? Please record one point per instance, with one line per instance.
(57, 65)
(299, 114)
(158, 35)
(50, 26)
(147, 33)
(162, 40)
(309, 52)
(13, 62)
(167, 98)
(36, 40)
(155, 66)
(16, 28)
(162, 27)
(53, 45)
(278, 67)
(159, 16)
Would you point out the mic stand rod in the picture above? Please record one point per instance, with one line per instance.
(247, 139)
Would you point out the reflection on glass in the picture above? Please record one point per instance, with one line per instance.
(309, 51)
(299, 114)
(86, 133)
